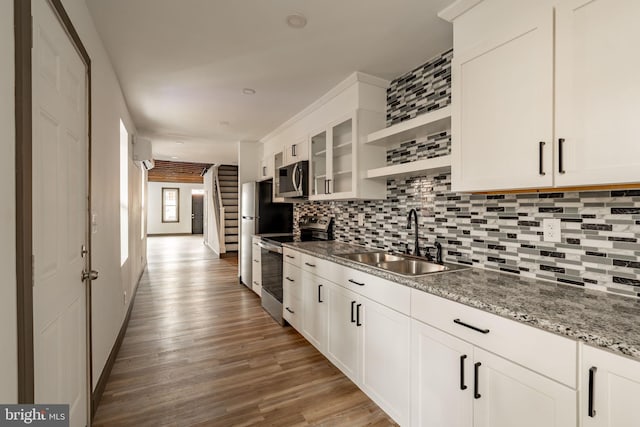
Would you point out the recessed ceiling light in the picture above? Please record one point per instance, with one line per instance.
(173, 157)
(297, 21)
(248, 91)
(179, 142)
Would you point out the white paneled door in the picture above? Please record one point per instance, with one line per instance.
(60, 193)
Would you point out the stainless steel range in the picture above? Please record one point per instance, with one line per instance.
(311, 228)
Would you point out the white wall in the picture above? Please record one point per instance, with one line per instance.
(156, 226)
(211, 238)
(8, 320)
(109, 305)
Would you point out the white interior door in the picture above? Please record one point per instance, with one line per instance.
(60, 189)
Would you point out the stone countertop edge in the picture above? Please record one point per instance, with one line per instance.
(597, 318)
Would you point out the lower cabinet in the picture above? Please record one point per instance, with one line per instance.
(457, 384)
(256, 267)
(611, 386)
(344, 337)
(314, 310)
(385, 350)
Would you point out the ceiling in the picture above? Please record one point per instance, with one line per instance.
(183, 64)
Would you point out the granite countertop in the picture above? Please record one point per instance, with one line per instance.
(597, 318)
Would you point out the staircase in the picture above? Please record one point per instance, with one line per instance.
(228, 178)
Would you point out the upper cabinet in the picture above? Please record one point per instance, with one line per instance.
(331, 133)
(339, 160)
(543, 94)
(297, 152)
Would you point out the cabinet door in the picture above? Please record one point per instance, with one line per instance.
(314, 323)
(503, 106)
(341, 157)
(613, 389)
(385, 358)
(441, 378)
(598, 91)
(318, 164)
(256, 268)
(510, 395)
(343, 340)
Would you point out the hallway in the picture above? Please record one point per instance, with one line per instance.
(199, 350)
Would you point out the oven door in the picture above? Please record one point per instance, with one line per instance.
(271, 269)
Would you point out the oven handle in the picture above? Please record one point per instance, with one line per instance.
(269, 247)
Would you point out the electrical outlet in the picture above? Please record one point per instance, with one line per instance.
(361, 219)
(551, 228)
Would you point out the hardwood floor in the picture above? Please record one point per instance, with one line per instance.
(200, 350)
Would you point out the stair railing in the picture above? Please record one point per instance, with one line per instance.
(219, 209)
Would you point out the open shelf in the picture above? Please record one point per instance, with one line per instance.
(338, 173)
(422, 125)
(436, 164)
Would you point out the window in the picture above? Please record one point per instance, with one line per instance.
(124, 194)
(170, 204)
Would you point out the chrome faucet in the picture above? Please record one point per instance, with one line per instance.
(414, 213)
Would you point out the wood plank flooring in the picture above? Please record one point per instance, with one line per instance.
(201, 351)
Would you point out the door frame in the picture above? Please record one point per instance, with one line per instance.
(23, 35)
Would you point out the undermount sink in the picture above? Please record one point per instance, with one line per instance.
(399, 264)
(372, 257)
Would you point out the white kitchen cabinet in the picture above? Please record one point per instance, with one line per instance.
(597, 91)
(502, 97)
(385, 361)
(611, 383)
(315, 306)
(441, 380)
(344, 338)
(457, 384)
(256, 267)
(544, 94)
(509, 395)
(296, 152)
(340, 160)
(267, 167)
(292, 306)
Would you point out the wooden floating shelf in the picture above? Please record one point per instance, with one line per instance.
(422, 125)
(436, 164)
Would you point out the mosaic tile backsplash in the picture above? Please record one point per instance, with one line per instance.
(423, 89)
(600, 230)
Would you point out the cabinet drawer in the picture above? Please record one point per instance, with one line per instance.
(292, 280)
(544, 352)
(319, 267)
(292, 310)
(393, 295)
(385, 292)
(289, 256)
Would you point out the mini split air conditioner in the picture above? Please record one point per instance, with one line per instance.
(143, 152)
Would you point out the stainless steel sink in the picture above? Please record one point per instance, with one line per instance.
(400, 264)
(411, 267)
(371, 258)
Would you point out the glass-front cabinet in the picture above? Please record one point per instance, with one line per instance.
(339, 159)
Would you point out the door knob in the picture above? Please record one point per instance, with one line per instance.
(89, 275)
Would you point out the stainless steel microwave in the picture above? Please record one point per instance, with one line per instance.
(293, 180)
